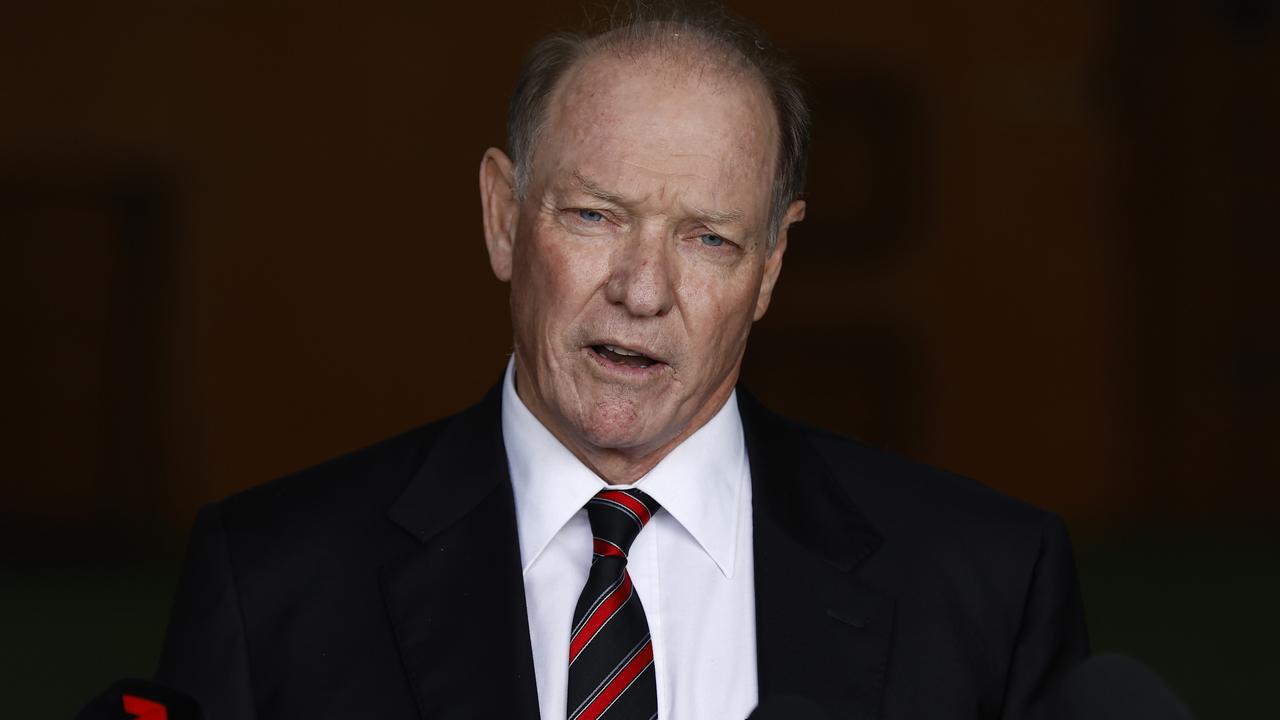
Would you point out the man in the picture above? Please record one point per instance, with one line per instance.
(615, 531)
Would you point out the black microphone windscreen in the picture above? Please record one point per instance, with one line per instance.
(141, 700)
(1110, 687)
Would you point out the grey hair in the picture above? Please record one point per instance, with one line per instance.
(715, 34)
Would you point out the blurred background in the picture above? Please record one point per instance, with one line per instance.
(241, 238)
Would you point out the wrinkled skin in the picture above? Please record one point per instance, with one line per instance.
(645, 227)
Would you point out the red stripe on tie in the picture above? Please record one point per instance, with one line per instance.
(603, 612)
(144, 709)
(619, 683)
(605, 548)
(628, 502)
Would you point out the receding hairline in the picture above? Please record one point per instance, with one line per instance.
(671, 40)
(712, 64)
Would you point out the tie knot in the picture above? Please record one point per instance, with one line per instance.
(617, 516)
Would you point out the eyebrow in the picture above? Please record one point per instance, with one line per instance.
(595, 190)
(711, 217)
(719, 217)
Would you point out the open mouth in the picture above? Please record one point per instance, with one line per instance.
(624, 356)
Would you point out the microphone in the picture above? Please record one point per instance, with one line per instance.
(135, 699)
(787, 707)
(1110, 687)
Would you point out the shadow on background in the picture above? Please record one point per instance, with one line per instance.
(1039, 251)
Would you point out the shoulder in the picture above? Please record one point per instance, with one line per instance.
(333, 498)
(949, 541)
(872, 472)
(905, 498)
(899, 497)
(973, 574)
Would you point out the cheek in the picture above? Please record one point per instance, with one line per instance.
(719, 319)
(554, 281)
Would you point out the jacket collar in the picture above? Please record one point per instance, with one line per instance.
(456, 601)
(821, 633)
(466, 464)
(798, 492)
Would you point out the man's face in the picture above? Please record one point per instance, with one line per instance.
(639, 258)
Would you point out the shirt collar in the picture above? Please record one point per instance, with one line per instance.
(699, 483)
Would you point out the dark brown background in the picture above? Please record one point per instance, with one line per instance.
(241, 238)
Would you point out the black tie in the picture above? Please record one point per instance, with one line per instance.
(611, 672)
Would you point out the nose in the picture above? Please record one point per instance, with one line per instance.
(641, 277)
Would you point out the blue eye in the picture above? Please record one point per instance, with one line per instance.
(712, 240)
(590, 216)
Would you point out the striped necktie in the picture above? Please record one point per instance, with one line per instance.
(611, 672)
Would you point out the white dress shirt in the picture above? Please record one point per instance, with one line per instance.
(692, 564)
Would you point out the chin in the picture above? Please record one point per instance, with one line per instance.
(615, 424)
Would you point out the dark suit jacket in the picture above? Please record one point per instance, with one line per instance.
(387, 584)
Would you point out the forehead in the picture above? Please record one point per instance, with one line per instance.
(652, 124)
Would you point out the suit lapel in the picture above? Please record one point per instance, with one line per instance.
(821, 633)
(457, 601)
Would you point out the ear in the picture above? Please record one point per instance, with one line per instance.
(773, 263)
(501, 209)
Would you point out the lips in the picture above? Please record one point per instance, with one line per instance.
(625, 356)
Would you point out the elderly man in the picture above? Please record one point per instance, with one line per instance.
(615, 531)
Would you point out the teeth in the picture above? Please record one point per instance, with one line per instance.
(622, 351)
